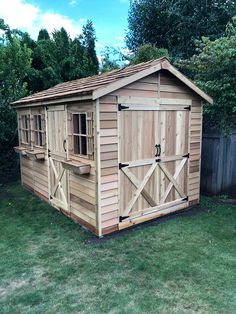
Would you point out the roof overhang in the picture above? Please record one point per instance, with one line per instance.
(51, 100)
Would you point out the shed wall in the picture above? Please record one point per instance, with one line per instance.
(81, 188)
(34, 176)
(158, 85)
(109, 163)
(34, 173)
(82, 194)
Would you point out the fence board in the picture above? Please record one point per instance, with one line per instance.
(218, 174)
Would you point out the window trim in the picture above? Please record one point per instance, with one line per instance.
(79, 134)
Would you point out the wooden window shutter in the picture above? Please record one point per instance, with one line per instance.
(19, 129)
(43, 128)
(31, 126)
(70, 132)
(90, 135)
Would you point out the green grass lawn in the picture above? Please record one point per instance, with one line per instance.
(49, 264)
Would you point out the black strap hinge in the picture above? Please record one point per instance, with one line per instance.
(188, 108)
(122, 107)
(122, 165)
(186, 155)
(122, 218)
(49, 153)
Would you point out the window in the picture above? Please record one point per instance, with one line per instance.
(25, 128)
(38, 132)
(80, 133)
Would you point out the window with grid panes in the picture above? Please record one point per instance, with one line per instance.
(80, 133)
(38, 130)
(25, 128)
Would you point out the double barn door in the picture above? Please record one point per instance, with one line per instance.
(153, 144)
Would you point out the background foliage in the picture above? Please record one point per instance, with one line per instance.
(176, 24)
(214, 70)
(28, 66)
(148, 52)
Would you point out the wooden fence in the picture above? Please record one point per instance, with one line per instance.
(218, 170)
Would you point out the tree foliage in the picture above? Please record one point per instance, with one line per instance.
(28, 66)
(148, 52)
(107, 63)
(176, 24)
(59, 58)
(15, 62)
(214, 69)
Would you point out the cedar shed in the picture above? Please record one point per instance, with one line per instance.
(116, 149)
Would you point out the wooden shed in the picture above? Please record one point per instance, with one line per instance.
(116, 149)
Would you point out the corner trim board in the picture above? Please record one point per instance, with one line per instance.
(98, 166)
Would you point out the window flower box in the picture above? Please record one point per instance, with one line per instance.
(76, 167)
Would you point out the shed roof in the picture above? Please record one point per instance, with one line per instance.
(99, 85)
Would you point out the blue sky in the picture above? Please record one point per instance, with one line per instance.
(109, 17)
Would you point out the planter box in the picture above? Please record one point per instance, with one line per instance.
(35, 154)
(76, 167)
(20, 150)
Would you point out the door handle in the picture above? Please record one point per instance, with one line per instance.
(158, 148)
(64, 145)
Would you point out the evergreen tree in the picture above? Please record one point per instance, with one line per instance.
(88, 39)
(43, 35)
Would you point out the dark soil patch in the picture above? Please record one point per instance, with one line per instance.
(191, 211)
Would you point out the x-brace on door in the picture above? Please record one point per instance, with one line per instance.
(57, 152)
(154, 154)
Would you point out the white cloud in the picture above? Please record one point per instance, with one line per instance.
(82, 21)
(18, 13)
(120, 38)
(127, 52)
(72, 2)
(119, 45)
(25, 16)
(52, 21)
